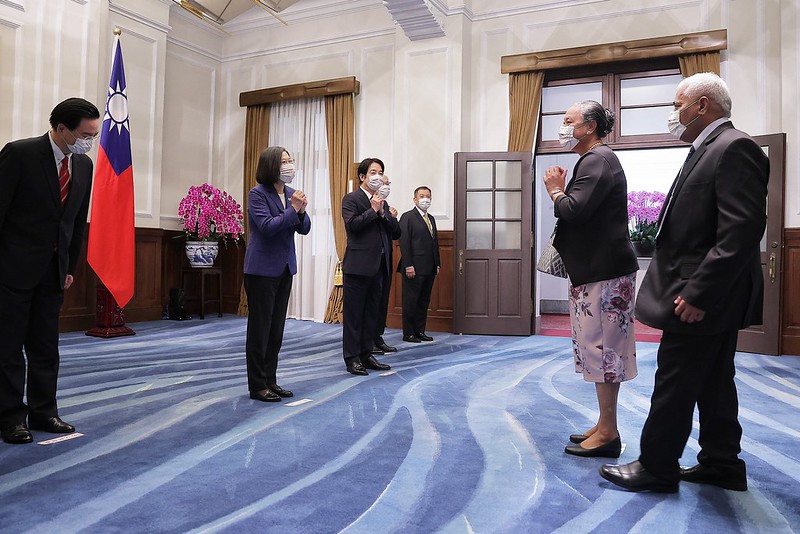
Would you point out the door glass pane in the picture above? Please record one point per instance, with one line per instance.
(764, 237)
(644, 120)
(508, 204)
(560, 98)
(651, 90)
(652, 169)
(508, 174)
(479, 205)
(507, 235)
(479, 235)
(479, 175)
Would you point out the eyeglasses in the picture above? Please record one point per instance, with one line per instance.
(86, 137)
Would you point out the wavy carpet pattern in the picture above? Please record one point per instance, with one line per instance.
(465, 434)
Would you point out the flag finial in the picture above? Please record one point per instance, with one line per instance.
(117, 31)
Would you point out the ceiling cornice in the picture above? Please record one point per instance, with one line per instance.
(417, 18)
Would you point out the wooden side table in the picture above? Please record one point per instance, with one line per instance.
(203, 273)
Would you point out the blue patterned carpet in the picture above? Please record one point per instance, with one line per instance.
(467, 436)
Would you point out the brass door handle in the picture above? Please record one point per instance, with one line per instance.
(461, 261)
(772, 268)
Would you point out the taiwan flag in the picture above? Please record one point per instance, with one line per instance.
(111, 232)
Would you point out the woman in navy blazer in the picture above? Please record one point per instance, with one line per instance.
(275, 212)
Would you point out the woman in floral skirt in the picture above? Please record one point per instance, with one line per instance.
(592, 239)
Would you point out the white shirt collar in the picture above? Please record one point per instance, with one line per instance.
(420, 211)
(57, 153)
(707, 131)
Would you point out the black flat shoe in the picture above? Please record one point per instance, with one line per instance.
(375, 365)
(612, 449)
(276, 389)
(17, 434)
(412, 339)
(377, 351)
(355, 368)
(634, 477)
(54, 425)
(424, 337)
(265, 396)
(578, 438)
(703, 474)
(383, 347)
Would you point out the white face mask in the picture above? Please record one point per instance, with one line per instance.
(384, 190)
(424, 203)
(81, 146)
(374, 182)
(676, 129)
(566, 136)
(287, 172)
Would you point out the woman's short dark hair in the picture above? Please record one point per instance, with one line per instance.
(72, 111)
(603, 117)
(269, 165)
(363, 167)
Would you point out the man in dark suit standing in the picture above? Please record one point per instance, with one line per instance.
(44, 199)
(419, 263)
(380, 346)
(703, 285)
(370, 227)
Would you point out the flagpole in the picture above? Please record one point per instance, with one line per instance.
(110, 317)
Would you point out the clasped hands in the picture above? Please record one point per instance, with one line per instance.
(299, 201)
(376, 202)
(555, 178)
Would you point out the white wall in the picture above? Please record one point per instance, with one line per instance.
(419, 103)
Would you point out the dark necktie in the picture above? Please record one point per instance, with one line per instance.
(63, 179)
(672, 191)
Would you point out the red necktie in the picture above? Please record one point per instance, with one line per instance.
(63, 179)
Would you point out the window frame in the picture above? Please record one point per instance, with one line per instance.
(610, 75)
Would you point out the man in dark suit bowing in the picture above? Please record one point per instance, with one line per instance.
(703, 285)
(419, 264)
(44, 199)
(370, 226)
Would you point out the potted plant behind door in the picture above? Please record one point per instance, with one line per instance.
(209, 216)
(643, 210)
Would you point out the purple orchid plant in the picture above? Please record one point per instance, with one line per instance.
(210, 215)
(643, 210)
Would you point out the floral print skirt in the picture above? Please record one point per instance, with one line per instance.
(601, 314)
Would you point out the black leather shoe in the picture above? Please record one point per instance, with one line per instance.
(275, 388)
(634, 477)
(377, 351)
(612, 449)
(424, 337)
(375, 365)
(578, 438)
(17, 434)
(265, 395)
(383, 347)
(53, 425)
(412, 339)
(355, 368)
(702, 474)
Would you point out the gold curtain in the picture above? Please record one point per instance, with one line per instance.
(256, 139)
(339, 121)
(701, 62)
(524, 100)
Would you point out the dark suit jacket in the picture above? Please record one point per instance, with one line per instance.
(364, 239)
(272, 227)
(707, 249)
(33, 222)
(592, 234)
(418, 248)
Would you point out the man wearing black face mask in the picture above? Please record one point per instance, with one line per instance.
(703, 285)
(44, 199)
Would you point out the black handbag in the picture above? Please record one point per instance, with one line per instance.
(550, 260)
